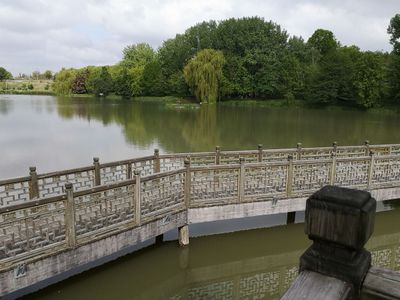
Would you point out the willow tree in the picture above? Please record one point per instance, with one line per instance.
(203, 74)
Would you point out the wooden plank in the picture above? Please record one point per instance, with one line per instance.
(381, 284)
(310, 286)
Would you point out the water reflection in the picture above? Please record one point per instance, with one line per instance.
(256, 264)
(55, 133)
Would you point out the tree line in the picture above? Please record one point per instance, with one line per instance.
(248, 58)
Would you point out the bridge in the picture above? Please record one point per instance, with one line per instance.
(57, 224)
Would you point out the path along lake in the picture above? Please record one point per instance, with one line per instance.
(54, 133)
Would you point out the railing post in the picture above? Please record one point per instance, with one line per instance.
(129, 171)
(70, 216)
(157, 165)
(371, 169)
(366, 144)
(333, 169)
(241, 179)
(289, 182)
(298, 151)
(217, 154)
(33, 183)
(187, 182)
(97, 178)
(260, 152)
(334, 147)
(137, 198)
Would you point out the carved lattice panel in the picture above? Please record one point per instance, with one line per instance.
(382, 258)
(351, 152)
(54, 185)
(101, 209)
(352, 173)
(277, 156)
(113, 174)
(395, 149)
(270, 180)
(310, 177)
(204, 160)
(14, 193)
(161, 193)
(30, 229)
(385, 150)
(214, 186)
(234, 158)
(146, 167)
(171, 164)
(212, 291)
(386, 170)
(315, 154)
(259, 286)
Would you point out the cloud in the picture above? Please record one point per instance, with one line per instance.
(70, 33)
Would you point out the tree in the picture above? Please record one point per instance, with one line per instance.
(4, 74)
(63, 81)
(394, 31)
(122, 83)
(103, 83)
(79, 83)
(48, 74)
(137, 55)
(203, 74)
(323, 41)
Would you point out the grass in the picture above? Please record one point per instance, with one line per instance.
(26, 87)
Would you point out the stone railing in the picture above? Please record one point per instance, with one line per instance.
(81, 214)
(19, 190)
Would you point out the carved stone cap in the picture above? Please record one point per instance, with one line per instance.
(340, 216)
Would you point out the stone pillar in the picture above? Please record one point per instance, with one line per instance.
(157, 165)
(33, 184)
(260, 152)
(97, 178)
(339, 221)
(289, 178)
(217, 154)
(184, 235)
(70, 235)
(187, 182)
(137, 198)
(241, 180)
(334, 147)
(366, 144)
(298, 147)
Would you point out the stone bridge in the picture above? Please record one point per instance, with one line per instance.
(57, 224)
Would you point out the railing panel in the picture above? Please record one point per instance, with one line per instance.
(146, 167)
(214, 186)
(171, 163)
(14, 193)
(263, 182)
(315, 153)
(204, 160)
(386, 171)
(161, 194)
(277, 155)
(95, 211)
(234, 157)
(113, 173)
(352, 173)
(30, 229)
(309, 177)
(53, 185)
(352, 151)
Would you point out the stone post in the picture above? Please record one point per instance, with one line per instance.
(129, 171)
(187, 182)
(371, 169)
(184, 235)
(137, 198)
(334, 147)
(97, 178)
(241, 180)
(157, 165)
(70, 216)
(298, 151)
(289, 178)
(332, 176)
(339, 221)
(366, 144)
(217, 154)
(260, 152)
(33, 184)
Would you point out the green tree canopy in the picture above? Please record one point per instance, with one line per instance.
(4, 74)
(323, 41)
(203, 74)
(103, 85)
(394, 31)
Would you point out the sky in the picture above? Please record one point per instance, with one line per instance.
(51, 34)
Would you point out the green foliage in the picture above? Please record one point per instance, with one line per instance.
(137, 55)
(102, 85)
(394, 31)
(153, 81)
(4, 74)
(63, 81)
(122, 83)
(203, 74)
(48, 74)
(323, 41)
(79, 83)
(30, 86)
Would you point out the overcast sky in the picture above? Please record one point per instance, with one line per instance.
(50, 34)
